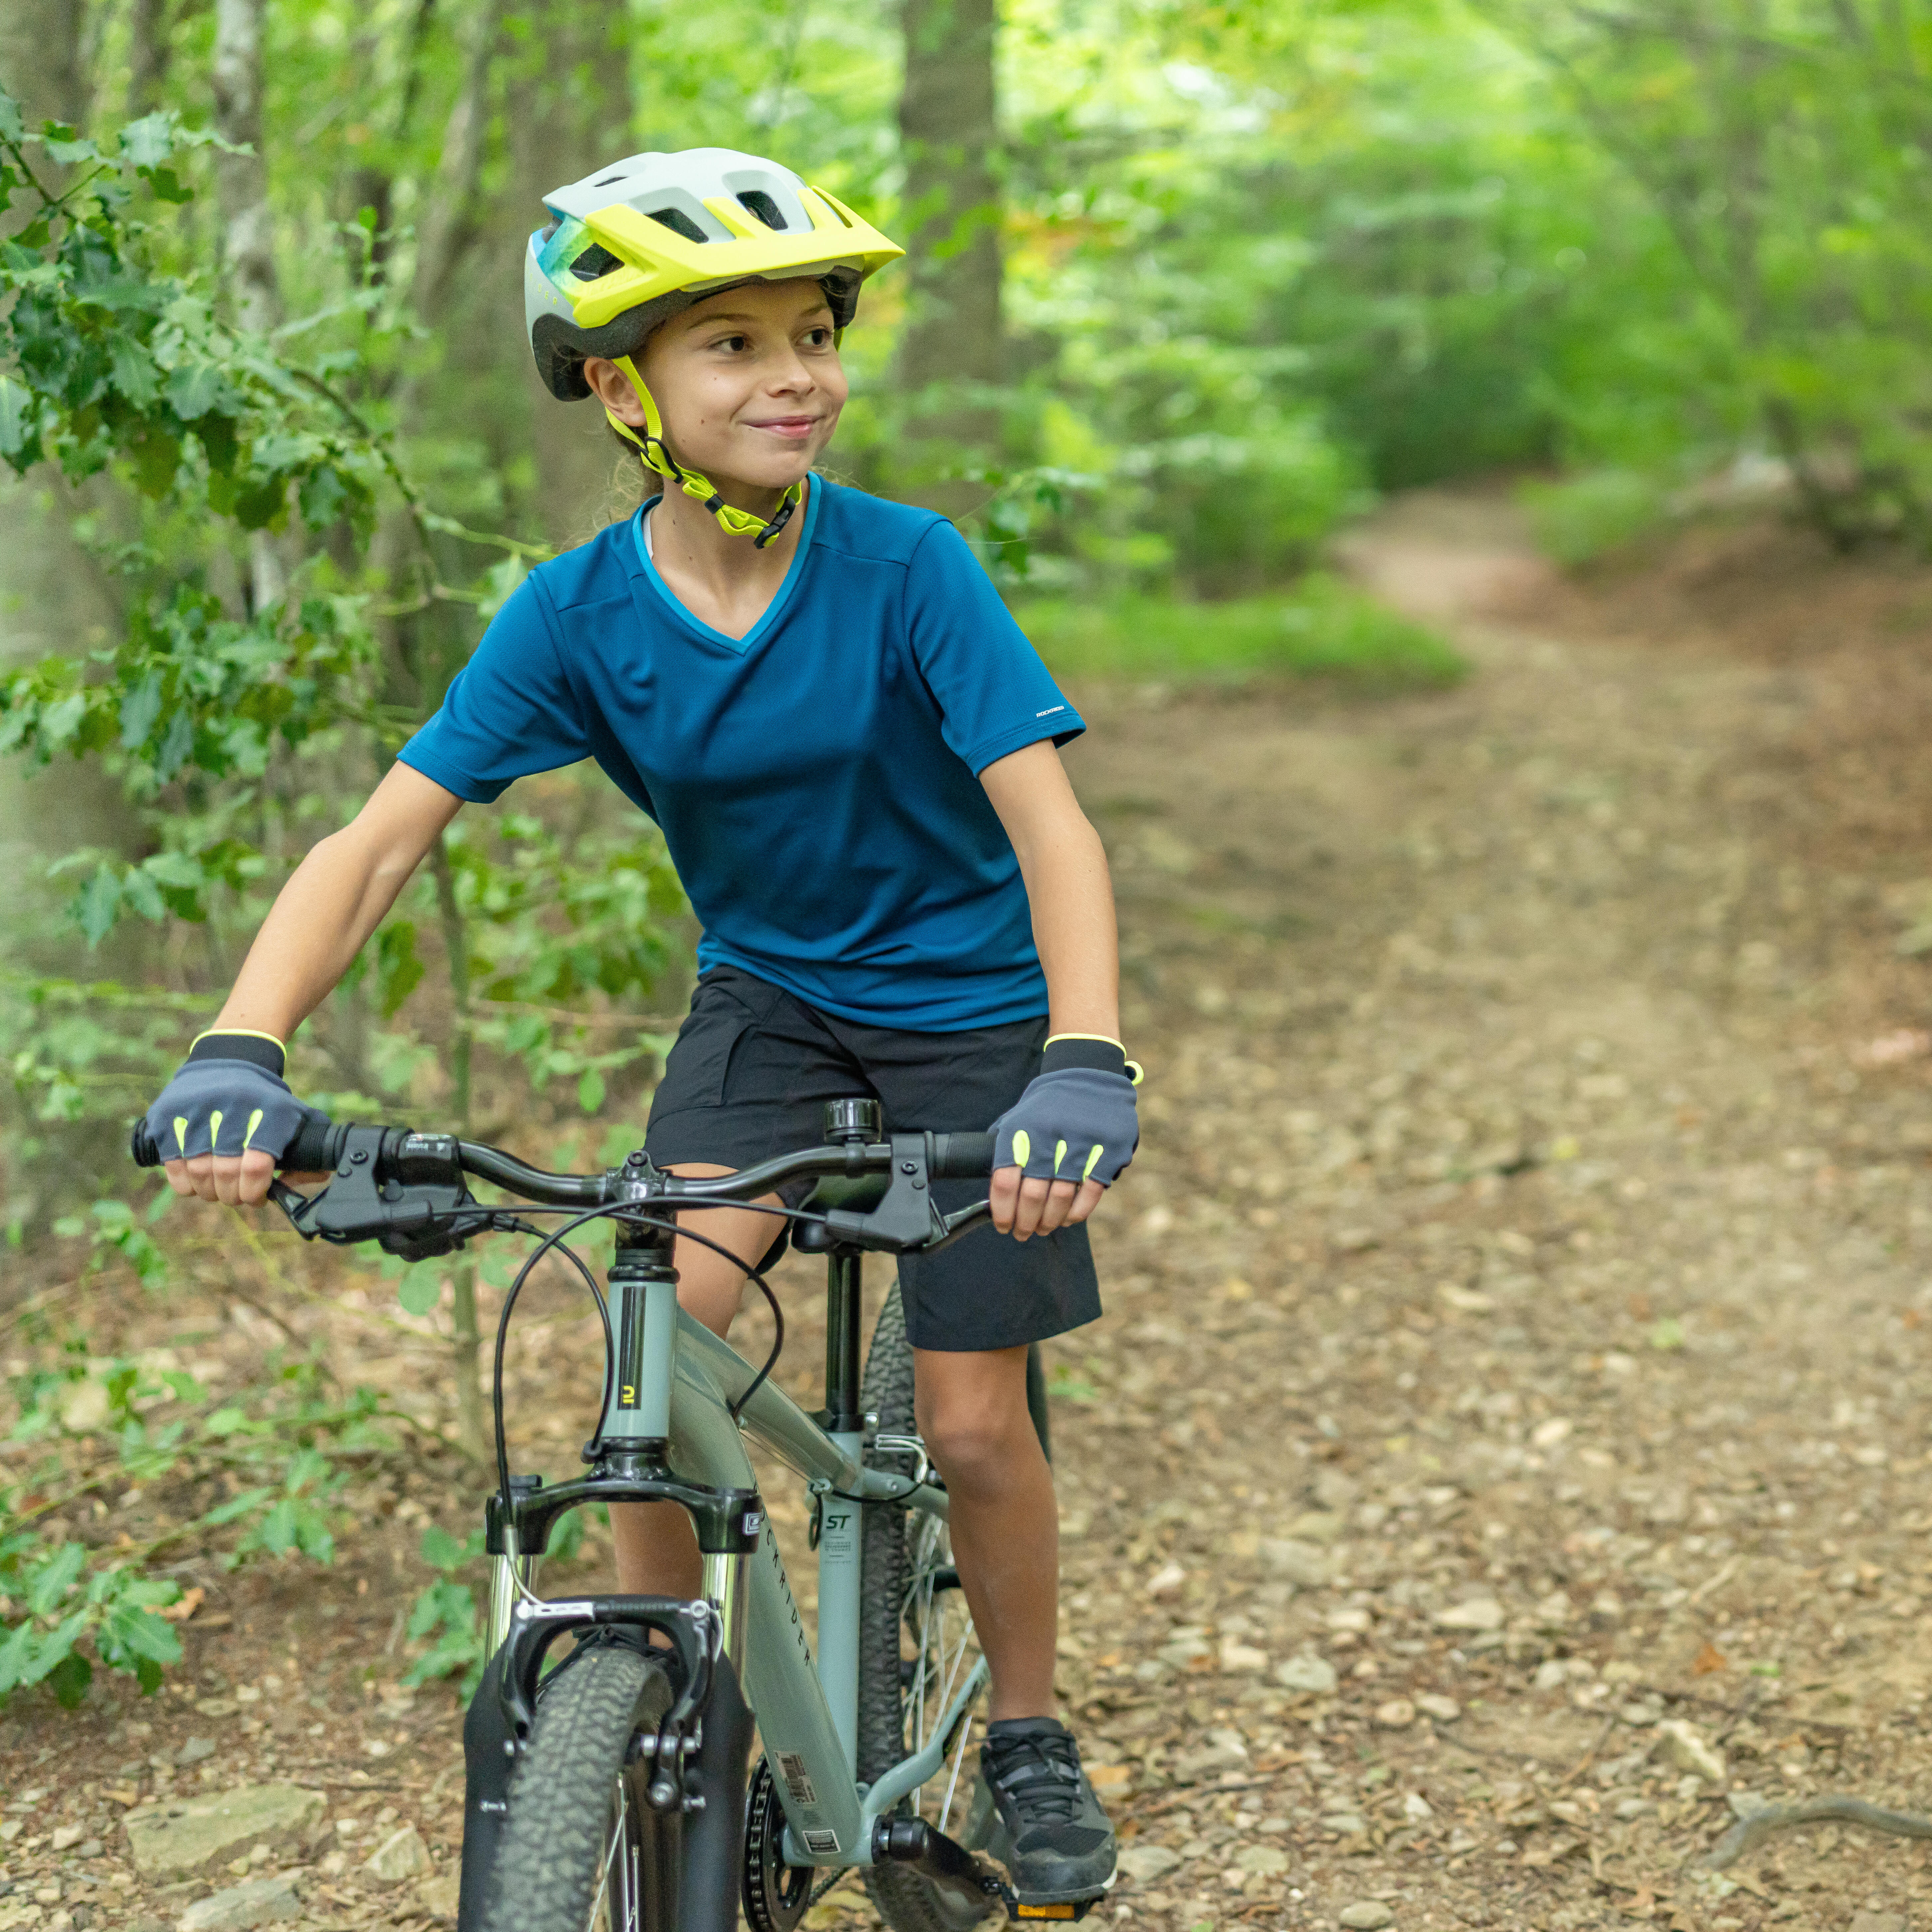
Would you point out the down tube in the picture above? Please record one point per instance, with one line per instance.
(820, 1801)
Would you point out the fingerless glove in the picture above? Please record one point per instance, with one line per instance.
(228, 1097)
(1077, 1120)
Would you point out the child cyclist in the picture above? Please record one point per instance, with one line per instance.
(851, 751)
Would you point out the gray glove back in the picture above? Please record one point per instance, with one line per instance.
(1077, 1120)
(228, 1098)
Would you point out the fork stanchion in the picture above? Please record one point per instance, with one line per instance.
(727, 1586)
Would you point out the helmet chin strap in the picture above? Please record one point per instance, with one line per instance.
(658, 457)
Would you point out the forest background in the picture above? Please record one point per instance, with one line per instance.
(1190, 285)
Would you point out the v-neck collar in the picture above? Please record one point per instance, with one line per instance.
(774, 610)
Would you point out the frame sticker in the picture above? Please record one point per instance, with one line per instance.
(821, 1843)
(798, 1782)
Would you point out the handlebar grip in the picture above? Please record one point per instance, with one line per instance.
(315, 1149)
(962, 1156)
(316, 1146)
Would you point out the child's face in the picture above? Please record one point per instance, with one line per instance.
(748, 382)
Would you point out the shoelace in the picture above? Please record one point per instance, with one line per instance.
(1040, 1773)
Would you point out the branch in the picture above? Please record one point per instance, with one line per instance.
(1748, 1833)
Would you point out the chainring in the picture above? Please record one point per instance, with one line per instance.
(776, 1895)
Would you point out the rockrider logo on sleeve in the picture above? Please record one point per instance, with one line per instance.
(1049, 711)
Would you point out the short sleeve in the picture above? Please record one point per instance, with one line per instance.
(994, 693)
(508, 713)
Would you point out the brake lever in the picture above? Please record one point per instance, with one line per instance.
(419, 1209)
(906, 1219)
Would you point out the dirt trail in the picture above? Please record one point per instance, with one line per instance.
(1517, 1316)
(1518, 1301)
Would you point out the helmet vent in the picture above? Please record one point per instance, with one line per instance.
(593, 262)
(761, 204)
(679, 223)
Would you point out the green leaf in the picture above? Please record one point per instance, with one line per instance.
(18, 419)
(420, 1290)
(72, 1674)
(96, 905)
(590, 1091)
(12, 127)
(65, 153)
(143, 1634)
(441, 1550)
(149, 141)
(55, 1577)
(194, 389)
(140, 709)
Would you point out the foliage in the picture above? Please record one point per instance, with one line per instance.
(1579, 518)
(255, 1479)
(445, 1614)
(1323, 630)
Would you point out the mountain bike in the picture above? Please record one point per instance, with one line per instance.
(610, 1787)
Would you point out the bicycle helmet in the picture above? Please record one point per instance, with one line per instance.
(629, 247)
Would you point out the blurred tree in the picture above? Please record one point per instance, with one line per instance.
(952, 359)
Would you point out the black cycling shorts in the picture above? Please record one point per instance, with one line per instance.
(748, 1076)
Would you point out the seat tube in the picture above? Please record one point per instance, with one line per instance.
(839, 1516)
(644, 1325)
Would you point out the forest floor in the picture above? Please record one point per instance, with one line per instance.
(1505, 1457)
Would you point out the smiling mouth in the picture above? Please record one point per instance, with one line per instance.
(793, 426)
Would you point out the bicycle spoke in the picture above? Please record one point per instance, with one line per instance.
(610, 1857)
(959, 1764)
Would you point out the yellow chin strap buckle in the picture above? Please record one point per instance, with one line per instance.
(658, 457)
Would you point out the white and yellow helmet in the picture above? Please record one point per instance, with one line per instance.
(626, 248)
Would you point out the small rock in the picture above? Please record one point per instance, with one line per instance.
(1299, 1563)
(437, 1896)
(1397, 1714)
(1878, 1921)
(1628, 1808)
(1269, 1861)
(1225, 1749)
(261, 1901)
(216, 1707)
(1552, 1674)
(1433, 1704)
(1416, 1809)
(65, 1835)
(89, 1848)
(1166, 1581)
(1483, 1613)
(1349, 1824)
(174, 1836)
(1681, 1744)
(1366, 1916)
(1312, 1676)
(1238, 1656)
(1142, 1863)
(194, 1751)
(401, 1856)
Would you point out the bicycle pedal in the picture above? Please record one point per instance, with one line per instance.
(1061, 1909)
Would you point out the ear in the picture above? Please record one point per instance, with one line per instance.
(612, 388)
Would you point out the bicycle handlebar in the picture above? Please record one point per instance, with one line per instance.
(319, 1145)
(406, 1189)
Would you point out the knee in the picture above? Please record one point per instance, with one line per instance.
(976, 1443)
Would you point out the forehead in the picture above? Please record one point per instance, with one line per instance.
(762, 301)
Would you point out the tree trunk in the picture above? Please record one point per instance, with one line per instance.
(149, 52)
(581, 118)
(248, 222)
(950, 354)
(41, 64)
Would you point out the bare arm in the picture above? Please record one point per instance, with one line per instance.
(1071, 897)
(335, 899)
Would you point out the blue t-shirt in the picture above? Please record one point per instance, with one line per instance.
(816, 780)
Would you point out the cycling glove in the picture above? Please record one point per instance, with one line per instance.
(228, 1097)
(1077, 1120)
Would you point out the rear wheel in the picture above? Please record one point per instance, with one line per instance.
(581, 1850)
(916, 1646)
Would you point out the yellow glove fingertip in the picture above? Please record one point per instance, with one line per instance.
(1093, 1162)
(1059, 1155)
(1022, 1147)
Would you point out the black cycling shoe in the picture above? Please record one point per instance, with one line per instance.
(1038, 1816)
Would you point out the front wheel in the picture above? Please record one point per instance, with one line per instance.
(581, 1850)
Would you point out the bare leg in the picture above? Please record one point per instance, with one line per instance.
(972, 1411)
(657, 1554)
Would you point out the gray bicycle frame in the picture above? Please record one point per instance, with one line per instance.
(807, 1713)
